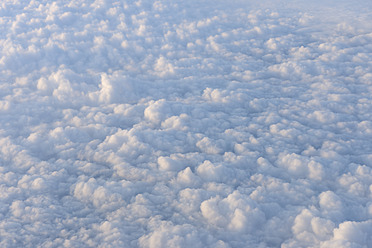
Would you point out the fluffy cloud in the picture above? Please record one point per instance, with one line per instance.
(178, 124)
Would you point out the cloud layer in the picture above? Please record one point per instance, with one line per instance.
(185, 124)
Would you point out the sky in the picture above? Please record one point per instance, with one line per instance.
(204, 123)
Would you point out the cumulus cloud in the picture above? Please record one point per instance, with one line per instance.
(180, 124)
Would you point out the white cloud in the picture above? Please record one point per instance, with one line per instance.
(178, 124)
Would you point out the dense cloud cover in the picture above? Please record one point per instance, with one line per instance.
(185, 123)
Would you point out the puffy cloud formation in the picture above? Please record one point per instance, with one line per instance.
(185, 124)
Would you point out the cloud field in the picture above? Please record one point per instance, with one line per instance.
(186, 123)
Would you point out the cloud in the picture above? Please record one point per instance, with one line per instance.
(236, 213)
(178, 124)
